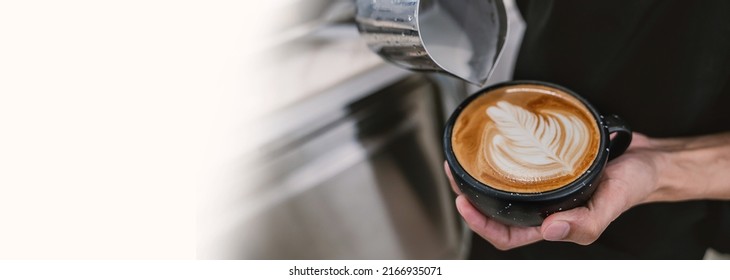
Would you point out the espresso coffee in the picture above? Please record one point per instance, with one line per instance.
(525, 138)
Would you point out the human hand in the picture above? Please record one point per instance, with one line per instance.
(628, 180)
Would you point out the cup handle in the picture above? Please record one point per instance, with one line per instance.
(621, 141)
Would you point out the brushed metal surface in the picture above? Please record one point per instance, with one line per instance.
(364, 183)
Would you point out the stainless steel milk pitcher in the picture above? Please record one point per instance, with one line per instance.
(461, 37)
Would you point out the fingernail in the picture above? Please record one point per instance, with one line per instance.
(556, 231)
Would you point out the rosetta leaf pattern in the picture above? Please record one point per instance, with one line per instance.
(534, 146)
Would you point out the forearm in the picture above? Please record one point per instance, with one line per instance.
(693, 168)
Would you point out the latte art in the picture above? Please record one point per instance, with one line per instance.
(525, 138)
(532, 147)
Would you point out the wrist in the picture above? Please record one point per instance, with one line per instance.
(680, 171)
(669, 183)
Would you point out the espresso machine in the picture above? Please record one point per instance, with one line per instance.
(349, 163)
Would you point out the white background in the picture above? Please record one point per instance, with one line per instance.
(114, 115)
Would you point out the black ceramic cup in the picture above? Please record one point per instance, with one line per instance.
(531, 209)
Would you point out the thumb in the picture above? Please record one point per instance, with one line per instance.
(577, 225)
(583, 225)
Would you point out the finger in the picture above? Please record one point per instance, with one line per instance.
(583, 225)
(501, 236)
(639, 140)
(454, 187)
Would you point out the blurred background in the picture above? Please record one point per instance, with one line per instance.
(342, 157)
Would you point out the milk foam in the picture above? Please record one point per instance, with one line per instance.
(530, 146)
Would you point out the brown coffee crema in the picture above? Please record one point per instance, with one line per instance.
(525, 138)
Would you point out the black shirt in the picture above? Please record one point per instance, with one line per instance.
(664, 66)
